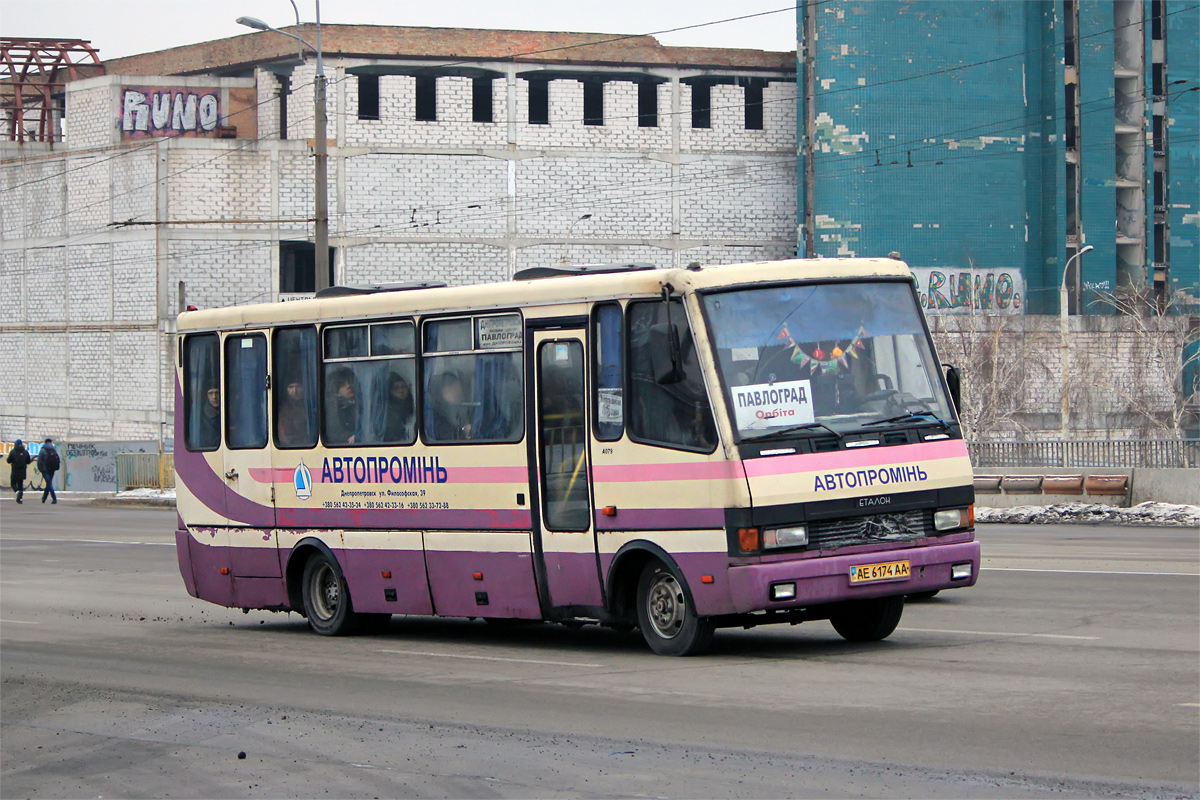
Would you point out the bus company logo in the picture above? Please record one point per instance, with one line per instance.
(302, 481)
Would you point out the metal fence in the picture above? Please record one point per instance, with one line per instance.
(1154, 453)
(145, 471)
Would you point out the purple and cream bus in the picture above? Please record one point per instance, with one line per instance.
(669, 450)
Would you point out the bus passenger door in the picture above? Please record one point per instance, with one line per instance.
(561, 477)
(247, 473)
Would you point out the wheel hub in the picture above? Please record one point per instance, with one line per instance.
(325, 592)
(666, 606)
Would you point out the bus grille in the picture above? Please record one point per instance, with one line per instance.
(875, 529)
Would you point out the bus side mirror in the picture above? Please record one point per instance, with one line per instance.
(665, 357)
(953, 383)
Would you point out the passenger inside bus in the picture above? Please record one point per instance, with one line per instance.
(341, 412)
(450, 415)
(400, 408)
(292, 428)
(210, 420)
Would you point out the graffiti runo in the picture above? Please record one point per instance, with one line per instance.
(169, 112)
(958, 291)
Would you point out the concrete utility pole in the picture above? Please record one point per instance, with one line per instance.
(320, 144)
(809, 46)
(321, 164)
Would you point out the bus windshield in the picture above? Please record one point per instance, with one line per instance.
(839, 357)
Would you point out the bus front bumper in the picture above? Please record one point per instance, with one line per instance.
(827, 579)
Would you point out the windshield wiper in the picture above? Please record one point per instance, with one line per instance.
(922, 415)
(794, 429)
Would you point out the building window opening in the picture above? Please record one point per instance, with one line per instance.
(754, 104)
(647, 105)
(481, 99)
(701, 105)
(427, 98)
(1071, 130)
(539, 102)
(285, 88)
(593, 102)
(298, 268)
(368, 97)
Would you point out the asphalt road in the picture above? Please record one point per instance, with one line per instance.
(1072, 669)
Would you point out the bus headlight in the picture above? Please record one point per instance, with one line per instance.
(792, 536)
(947, 519)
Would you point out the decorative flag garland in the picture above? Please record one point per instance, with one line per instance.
(827, 362)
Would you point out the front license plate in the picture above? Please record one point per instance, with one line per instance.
(892, 570)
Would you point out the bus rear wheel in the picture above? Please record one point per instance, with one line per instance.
(868, 620)
(326, 600)
(667, 615)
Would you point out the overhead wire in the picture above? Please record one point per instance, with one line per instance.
(736, 168)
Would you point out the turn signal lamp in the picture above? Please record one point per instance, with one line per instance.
(792, 536)
(748, 541)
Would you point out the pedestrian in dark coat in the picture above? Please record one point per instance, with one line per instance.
(48, 463)
(19, 459)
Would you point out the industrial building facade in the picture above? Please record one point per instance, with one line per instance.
(186, 177)
(985, 142)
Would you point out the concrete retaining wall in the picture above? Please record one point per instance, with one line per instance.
(1166, 486)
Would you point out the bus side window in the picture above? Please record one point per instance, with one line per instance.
(202, 392)
(370, 384)
(609, 388)
(246, 391)
(473, 379)
(677, 414)
(296, 387)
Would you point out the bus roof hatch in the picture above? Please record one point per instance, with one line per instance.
(346, 291)
(533, 273)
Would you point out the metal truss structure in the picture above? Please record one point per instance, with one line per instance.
(33, 74)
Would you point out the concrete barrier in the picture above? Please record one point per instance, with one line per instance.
(1181, 486)
(1047, 486)
(1044, 486)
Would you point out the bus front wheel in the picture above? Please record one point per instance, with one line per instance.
(326, 600)
(868, 620)
(667, 615)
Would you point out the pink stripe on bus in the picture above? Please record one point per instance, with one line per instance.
(695, 471)
(455, 474)
(849, 459)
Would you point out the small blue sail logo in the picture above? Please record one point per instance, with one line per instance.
(302, 480)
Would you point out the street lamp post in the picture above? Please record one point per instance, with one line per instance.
(1062, 325)
(320, 150)
(567, 246)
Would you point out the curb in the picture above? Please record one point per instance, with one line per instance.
(135, 502)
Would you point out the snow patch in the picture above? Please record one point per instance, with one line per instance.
(167, 493)
(1163, 514)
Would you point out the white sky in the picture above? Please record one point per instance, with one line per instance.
(126, 27)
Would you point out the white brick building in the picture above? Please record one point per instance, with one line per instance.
(455, 155)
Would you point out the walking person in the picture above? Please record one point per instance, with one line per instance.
(48, 463)
(19, 459)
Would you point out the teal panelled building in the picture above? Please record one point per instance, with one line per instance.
(989, 141)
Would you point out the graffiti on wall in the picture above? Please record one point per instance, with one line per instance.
(961, 291)
(168, 111)
(86, 466)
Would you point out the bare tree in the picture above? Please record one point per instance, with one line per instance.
(1001, 359)
(1164, 343)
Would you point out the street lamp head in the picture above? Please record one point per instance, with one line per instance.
(252, 22)
(1086, 249)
